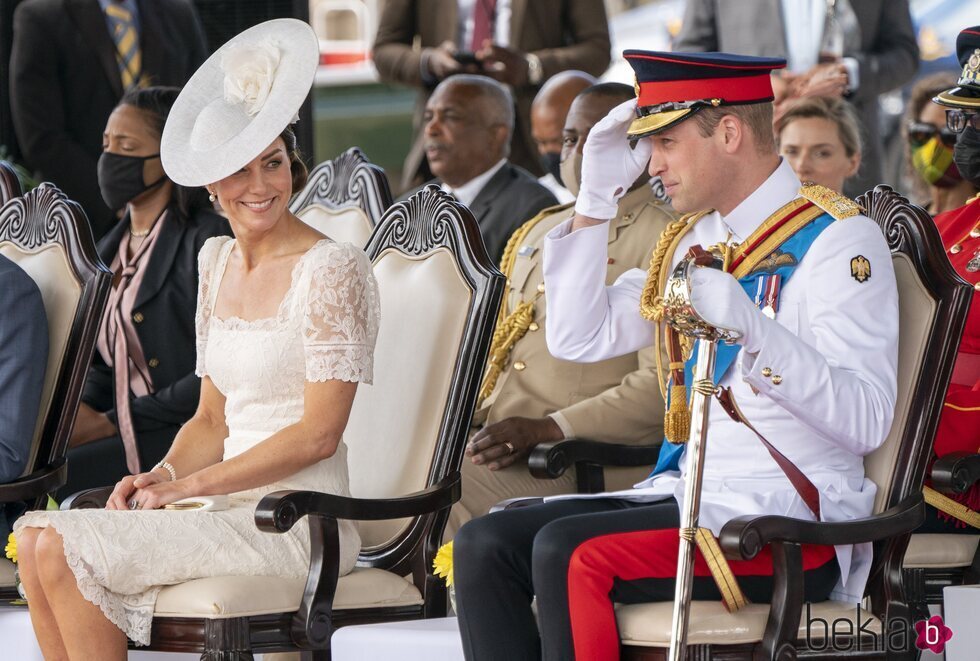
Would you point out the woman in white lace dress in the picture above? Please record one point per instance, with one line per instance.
(286, 325)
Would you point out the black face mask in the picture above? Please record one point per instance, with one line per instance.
(121, 178)
(551, 162)
(966, 155)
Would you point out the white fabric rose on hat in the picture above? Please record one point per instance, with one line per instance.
(250, 70)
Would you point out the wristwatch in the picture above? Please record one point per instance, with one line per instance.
(535, 72)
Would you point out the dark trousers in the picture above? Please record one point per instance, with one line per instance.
(102, 463)
(503, 560)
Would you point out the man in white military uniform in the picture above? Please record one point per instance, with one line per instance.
(811, 290)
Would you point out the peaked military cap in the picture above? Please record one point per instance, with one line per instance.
(671, 87)
(967, 95)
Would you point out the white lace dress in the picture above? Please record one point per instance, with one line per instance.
(325, 329)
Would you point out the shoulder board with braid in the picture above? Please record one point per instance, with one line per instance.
(509, 257)
(510, 250)
(837, 205)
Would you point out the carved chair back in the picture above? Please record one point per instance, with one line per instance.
(933, 302)
(344, 198)
(439, 297)
(48, 236)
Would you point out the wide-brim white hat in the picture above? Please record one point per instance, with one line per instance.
(239, 101)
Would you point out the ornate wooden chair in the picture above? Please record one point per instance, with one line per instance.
(10, 186)
(49, 237)
(406, 434)
(344, 198)
(933, 303)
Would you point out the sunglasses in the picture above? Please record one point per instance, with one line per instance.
(920, 133)
(957, 120)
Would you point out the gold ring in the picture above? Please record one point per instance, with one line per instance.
(510, 447)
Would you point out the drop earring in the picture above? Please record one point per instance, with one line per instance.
(212, 196)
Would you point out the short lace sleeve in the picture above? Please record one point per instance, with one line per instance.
(340, 320)
(207, 259)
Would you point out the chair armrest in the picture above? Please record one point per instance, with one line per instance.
(88, 499)
(744, 537)
(956, 473)
(37, 484)
(280, 510)
(549, 461)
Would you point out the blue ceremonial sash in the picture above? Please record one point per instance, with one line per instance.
(795, 247)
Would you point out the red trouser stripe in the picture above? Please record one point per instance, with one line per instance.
(632, 556)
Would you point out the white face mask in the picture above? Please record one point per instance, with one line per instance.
(571, 172)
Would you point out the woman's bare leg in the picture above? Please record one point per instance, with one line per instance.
(86, 632)
(42, 617)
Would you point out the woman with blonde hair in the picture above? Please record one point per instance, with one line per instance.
(820, 138)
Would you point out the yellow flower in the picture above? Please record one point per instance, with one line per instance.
(11, 549)
(443, 564)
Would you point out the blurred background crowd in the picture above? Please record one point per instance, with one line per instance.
(364, 97)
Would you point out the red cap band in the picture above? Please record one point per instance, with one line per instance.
(730, 90)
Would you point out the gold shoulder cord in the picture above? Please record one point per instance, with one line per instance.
(677, 417)
(510, 327)
(951, 507)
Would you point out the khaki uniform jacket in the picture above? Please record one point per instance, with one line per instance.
(616, 400)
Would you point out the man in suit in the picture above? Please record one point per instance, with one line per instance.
(68, 71)
(879, 52)
(23, 357)
(468, 124)
(528, 396)
(548, 112)
(517, 42)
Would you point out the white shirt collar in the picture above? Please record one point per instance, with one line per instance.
(468, 192)
(781, 187)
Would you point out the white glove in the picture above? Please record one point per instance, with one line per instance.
(720, 300)
(609, 165)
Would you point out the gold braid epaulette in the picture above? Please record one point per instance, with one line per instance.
(837, 205)
(510, 328)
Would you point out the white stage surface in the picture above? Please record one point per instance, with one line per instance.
(414, 640)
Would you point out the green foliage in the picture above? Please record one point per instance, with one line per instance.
(27, 180)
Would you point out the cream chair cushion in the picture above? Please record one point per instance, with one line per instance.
(940, 551)
(348, 225)
(648, 625)
(48, 266)
(7, 569)
(424, 304)
(916, 309)
(242, 596)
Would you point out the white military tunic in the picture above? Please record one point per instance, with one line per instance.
(835, 347)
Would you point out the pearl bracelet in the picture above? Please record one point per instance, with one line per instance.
(169, 468)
